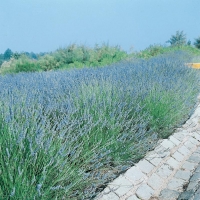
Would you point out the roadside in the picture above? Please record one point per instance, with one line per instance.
(171, 171)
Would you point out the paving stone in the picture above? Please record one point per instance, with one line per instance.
(133, 197)
(164, 171)
(198, 169)
(134, 174)
(106, 190)
(144, 191)
(155, 181)
(198, 150)
(121, 186)
(186, 125)
(197, 128)
(184, 132)
(196, 136)
(189, 166)
(178, 156)
(167, 194)
(181, 174)
(154, 159)
(183, 150)
(193, 140)
(187, 195)
(110, 196)
(191, 122)
(189, 145)
(197, 195)
(195, 158)
(196, 153)
(117, 183)
(173, 163)
(145, 166)
(162, 151)
(174, 140)
(193, 185)
(195, 177)
(176, 184)
(179, 136)
(196, 133)
(167, 144)
(194, 119)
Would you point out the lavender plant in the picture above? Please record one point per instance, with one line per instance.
(65, 135)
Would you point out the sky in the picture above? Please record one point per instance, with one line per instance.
(46, 25)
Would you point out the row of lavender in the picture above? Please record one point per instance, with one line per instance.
(64, 135)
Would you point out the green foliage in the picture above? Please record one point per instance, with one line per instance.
(197, 43)
(188, 42)
(7, 54)
(179, 39)
(154, 50)
(151, 51)
(19, 64)
(80, 56)
(26, 66)
(16, 55)
(48, 62)
(73, 56)
(1, 59)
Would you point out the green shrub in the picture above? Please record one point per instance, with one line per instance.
(154, 50)
(22, 64)
(27, 66)
(48, 62)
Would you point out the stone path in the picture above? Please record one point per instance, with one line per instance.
(171, 171)
(192, 191)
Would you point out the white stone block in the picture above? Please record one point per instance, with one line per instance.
(164, 171)
(189, 144)
(110, 196)
(145, 166)
(189, 166)
(184, 151)
(154, 158)
(167, 144)
(155, 181)
(173, 163)
(176, 184)
(178, 156)
(174, 140)
(120, 186)
(144, 192)
(134, 174)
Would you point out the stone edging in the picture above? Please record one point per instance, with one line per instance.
(165, 171)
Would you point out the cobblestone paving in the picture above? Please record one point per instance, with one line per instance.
(192, 191)
(170, 172)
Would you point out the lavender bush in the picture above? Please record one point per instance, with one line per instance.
(64, 135)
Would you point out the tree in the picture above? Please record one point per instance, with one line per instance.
(179, 39)
(16, 55)
(188, 42)
(197, 42)
(7, 54)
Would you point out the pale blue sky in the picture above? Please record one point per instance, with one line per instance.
(45, 25)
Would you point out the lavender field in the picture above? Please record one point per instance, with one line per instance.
(66, 134)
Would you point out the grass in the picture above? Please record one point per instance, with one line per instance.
(66, 134)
